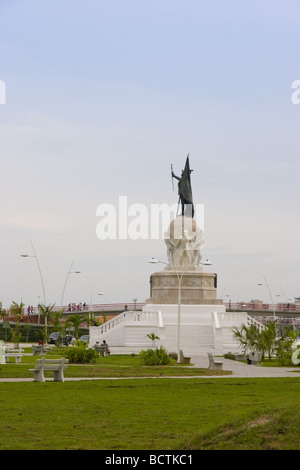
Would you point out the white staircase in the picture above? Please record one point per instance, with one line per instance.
(199, 334)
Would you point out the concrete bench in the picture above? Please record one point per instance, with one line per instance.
(39, 349)
(102, 350)
(58, 366)
(254, 358)
(184, 359)
(214, 363)
(16, 353)
(239, 357)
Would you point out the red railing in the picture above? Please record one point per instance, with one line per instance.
(33, 314)
(282, 307)
(35, 317)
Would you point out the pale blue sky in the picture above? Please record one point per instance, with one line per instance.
(102, 96)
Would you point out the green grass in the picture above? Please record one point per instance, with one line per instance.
(146, 414)
(150, 414)
(112, 366)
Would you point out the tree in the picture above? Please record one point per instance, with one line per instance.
(240, 335)
(153, 337)
(285, 346)
(255, 339)
(269, 338)
(75, 321)
(3, 313)
(46, 311)
(56, 317)
(248, 337)
(16, 311)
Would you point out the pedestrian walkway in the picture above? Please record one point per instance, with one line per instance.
(240, 369)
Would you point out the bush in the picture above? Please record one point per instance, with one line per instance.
(155, 357)
(173, 355)
(80, 353)
(229, 356)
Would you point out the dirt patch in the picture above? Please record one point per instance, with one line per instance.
(260, 421)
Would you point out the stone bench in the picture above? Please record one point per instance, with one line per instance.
(239, 357)
(102, 350)
(16, 353)
(214, 363)
(254, 358)
(57, 366)
(184, 359)
(39, 349)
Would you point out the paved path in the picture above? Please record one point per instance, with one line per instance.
(239, 369)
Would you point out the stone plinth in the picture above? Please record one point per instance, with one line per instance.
(197, 288)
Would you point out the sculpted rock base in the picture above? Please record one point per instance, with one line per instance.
(197, 288)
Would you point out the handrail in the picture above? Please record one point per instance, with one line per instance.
(260, 306)
(129, 317)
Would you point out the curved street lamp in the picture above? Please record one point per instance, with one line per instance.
(179, 277)
(69, 272)
(267, 285)
(38, 264)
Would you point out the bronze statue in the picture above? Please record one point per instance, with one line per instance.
(185, 190)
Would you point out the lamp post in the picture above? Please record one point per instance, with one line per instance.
(99, 293)
(69, 272)
(38, 264)
(179, 278)
(267, 285)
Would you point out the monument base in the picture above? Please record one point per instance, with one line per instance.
(197, 287)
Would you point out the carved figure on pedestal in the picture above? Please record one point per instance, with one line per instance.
(184, 241)
(185, 190)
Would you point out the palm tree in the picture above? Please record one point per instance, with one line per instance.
(57, 316)
(240, 334)
(253, 338)
(46, 312)
(16, 311)
(153, 337)
(269, 338)
(75, 321)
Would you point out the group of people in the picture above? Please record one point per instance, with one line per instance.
(77, 307)
(103, 347)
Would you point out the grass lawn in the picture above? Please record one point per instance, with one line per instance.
(112, 366)
(150, 414)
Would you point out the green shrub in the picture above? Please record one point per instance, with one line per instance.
(173, 355)
(229, 356)
(155, 357)
(80, 353)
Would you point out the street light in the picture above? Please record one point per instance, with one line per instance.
(99, 293)
(69, 272)
(37, 261)
(179, 277)
(267, 285)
